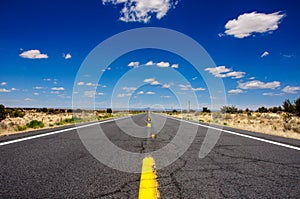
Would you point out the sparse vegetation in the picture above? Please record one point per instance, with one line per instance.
(2, 112)
(35, 124)
(229, 109)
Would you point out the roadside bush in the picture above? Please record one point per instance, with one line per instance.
(35, 124)
(229, 109)
(287, 126)
(297, 107)
(2, 112)
(20, 128)
(296, 129)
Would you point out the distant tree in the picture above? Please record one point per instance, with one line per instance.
(174, 111)
(109, 110)
(229, 109)
(262, 109)
(247, 110)
(297, 106)
(288, 106)
(2, 112)
(205, 110)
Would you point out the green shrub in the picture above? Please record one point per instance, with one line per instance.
(225, 124)
(20, 128)
(35, 124)
(2, 112)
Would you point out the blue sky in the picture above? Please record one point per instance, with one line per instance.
(254, 44)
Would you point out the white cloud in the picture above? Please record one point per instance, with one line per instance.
(36, 94)
(89, 94)
(129, 89)
(142, 10)
(185, 87)
(149, 80)
(3, 90)
(3, 83)
(47, 79)
(68, 56)
(256, 84)
(28, 99)
(150, 93)
(266, 53)
(272, 94)
(124, 95)
(33, 54)
(38, 88)
(194, 78)
(101, 94)
(165, 96)
(291, 89)
(141, 93)
(175, 66)
(54, 92)
(149, 63)
(222, 72)
(155, 83)
(80, 83)
(198, 89)
(252, 78)
(13, 89)
(249, 23)
(134, 64)
(91, 84)
(235, 91)
(58, 88)
(166, 86)
(163, 64)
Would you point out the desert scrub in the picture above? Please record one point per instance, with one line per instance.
(287, 127)
(20, 128)
(35, 124)
(296, 129)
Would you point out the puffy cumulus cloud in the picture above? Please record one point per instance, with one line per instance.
(272, 94)
(142, 10)
(249, 23)
(149, 80)
(129, 89)
(121, 95)
(80, 83)
(58, 88)
(141, 93)
(175, 66)
(189, 87)
(291, 89)
(134, 64)
(222, 72)
(266, 53)
(149, 63)
(166, 86)
(68, 56)
(33, 54)
(155, 83)
(256, 84)
(150, 93)
(235, 91)
(3, 90)
(163, 64)
(89, 94)
(3, 83)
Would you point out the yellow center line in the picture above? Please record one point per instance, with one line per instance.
(148, 183)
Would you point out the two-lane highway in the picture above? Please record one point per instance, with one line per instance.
(59, 166)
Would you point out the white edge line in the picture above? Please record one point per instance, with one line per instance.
(238, 134)
(59, 131)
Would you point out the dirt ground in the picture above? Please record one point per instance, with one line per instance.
(278, 124)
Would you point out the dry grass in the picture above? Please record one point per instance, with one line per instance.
(15, 125)
(268, 123)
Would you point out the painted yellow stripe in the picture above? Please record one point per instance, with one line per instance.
(148, 183)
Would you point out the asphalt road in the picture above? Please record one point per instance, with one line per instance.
(59, 165)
